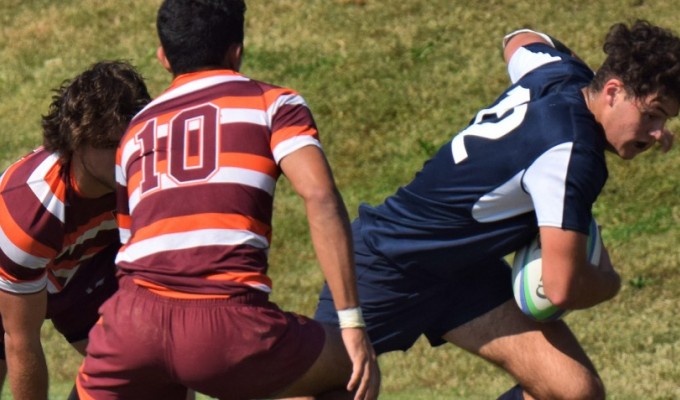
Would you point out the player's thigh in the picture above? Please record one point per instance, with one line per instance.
(544, 357)
(331, 370)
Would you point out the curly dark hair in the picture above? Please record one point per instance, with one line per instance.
(196, 34)
(646, 58)
(94, 108)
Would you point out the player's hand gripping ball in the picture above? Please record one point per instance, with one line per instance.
(527, 277)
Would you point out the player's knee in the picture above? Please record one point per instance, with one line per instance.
(585, 387)
(591, 388)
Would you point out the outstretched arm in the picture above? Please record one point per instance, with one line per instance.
(310, 175)
(22, 317)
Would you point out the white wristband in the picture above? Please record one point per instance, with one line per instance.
(351, 318)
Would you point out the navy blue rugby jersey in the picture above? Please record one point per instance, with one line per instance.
(535, 157)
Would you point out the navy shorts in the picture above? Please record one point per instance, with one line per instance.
(74, 310)
(399, 305)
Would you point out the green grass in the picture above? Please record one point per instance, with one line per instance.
(388, 82)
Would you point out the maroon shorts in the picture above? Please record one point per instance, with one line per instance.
(148, 346)
(74, 310)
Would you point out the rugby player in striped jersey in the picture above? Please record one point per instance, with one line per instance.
(197, 172)
(58, 233)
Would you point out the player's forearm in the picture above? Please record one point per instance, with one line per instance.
(22, 317)
(589, 287)
(600, 287)
(331, 236)
(27, 370)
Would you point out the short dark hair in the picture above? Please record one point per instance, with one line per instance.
(646, 58)
(94, 108)
(196, 34)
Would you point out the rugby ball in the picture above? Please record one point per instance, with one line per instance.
(527, 277)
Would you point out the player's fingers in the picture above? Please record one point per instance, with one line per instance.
(369, 386)
(355, 380)
(365, 377)
(373, 382)
(364, 390)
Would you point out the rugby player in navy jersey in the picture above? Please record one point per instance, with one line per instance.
(430, 257)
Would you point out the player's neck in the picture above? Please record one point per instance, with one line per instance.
(591, 102)
(85, 182)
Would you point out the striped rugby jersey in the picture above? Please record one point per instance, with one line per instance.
(196, 172)
(46, 229)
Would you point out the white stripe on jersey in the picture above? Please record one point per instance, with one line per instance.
(131, 148)
(196, 85)
(69, 273)
(524, 61)
(288, 146)
(106, 225)
(284, 99)
(247, 115)
(506, 201)
(51, 288)
(241, 176)
(186, 240)
(120, 176)
(545, 180)
(19, 256)
(124, 235)
(43, 191)
(25, 287)
(259, 286)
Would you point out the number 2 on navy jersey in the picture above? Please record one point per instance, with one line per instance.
(503, 121)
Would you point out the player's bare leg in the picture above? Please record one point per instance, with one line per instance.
(544, 357)
(331, 370)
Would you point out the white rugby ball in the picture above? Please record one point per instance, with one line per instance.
(527, 277)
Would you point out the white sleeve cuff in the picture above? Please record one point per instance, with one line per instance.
(510, 35)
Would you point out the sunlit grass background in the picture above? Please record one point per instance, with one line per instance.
(388, 82)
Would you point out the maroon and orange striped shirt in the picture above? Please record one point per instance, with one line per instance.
(47, 230)
(197, 171)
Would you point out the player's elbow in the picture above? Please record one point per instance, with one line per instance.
(562, 294)
(559, 296)
(319, 195)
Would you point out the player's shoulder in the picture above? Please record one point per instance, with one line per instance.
(36, 167)
(35, 196)
(564, 118)
(539, 63)
(272, 91)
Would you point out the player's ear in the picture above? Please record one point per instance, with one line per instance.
(612, 90)
(234, 56)
(160, 55)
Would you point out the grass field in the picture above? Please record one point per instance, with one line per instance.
(388, 82)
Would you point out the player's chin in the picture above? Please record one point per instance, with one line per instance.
(633, 151)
